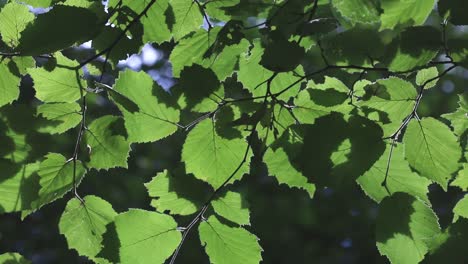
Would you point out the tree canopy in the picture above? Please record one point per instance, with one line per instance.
(360, 100)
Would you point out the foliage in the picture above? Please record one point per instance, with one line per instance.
(320, 95)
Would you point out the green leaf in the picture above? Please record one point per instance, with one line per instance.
(346, 48)
(9, 85)
(83, 224)
(40, 3)
(146, 237)
(187, 17)
(459, 118)
(57, 178)
(415, 47)
(191, 49)
(405, 226)
(392, 100)
(154, 23)
(229, 245)
(432, 149)
(154, 119)
(224, 63)
(400, 178)
(60, 28)
(281, 55)
(13, 20)
(219, 9)
(319, 99)
(108, 147)
(61, 84)
(280, 167)
(348, 146)
(155, 28)
(403, 13)
(64, 116)
(461, 180)
(461, 209)
(18, 185)
(130, 44)
(352, 12)
(425, 75)
(233, 207)
(213, 158)
(13, 258)
(454, 10)
(449, 246)
(175, 192)
(205, 96)
(253, 75)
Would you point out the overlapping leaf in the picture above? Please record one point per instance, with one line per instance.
(229, 245)
(233, 207)
(84, 223)
(405, 227)
(432, 149)
(214, 158)
(107, 147)
(146, 236)
(152, 118)
(57, 177)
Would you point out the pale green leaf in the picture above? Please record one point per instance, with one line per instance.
(400, 178)
(187, 17)
(63, 116)
(233, 207)
(218, 9)
(459, 118)
(61, 27)
(401, 13)
(229, 245)
(155, 28)
(108, 147)
(405, 226)
(83, 224)
(146, 237)
(191, 50)
(253, 76)
(9, 85)
(18, 185)
(57, 178)
(461, 209)
(425, 75)
(13, 258)
(213, 158)
(461, 180)
(61, 84)
(280, 167)
(356, 11)
(415, 47)
(392, 99)
(13, 20)
(154, 119)
(39, 3)
(224, 63)
(173, 192)
(432, 149)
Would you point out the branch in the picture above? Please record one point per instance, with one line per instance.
(201, 7)
(81, 130)
(396, 135)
